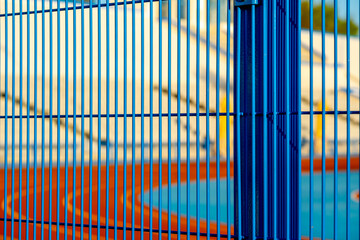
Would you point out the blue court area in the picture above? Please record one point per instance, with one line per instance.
(329, 204)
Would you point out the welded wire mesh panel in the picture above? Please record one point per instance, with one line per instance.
(116, 119)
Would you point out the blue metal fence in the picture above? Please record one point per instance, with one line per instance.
(157, 121)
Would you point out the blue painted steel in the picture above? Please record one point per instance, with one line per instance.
(274, 99)
(311, 133)
(20, 113)
(58, 126)
(99, 126)
(6, 122)
(66, 113)
(133, 123)
(207, 122)
(51, 119)
(43, 117)
(142, 123)
(35, 119)
(228, 190)
(169, 119)
(107, 118)
(74, 122)
(287, 114)
(217, 120)
(91, 117)
(348, 120)
(335, 117)
(116, 155)
(253, 141)
(27, 116)
(160, 118)
(13, 126)
(178, 167)
(323, 157)
(151, 119)
(188, 119)
(197, 122)
(125, 118)
(82, 121)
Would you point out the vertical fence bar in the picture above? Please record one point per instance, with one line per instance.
(74, 123)
(228, 210)
(91, 117)
(323, 157)
(151, 122)
(217, 120)
(50, 118)
(107, 118)
(207, 120)
(311, 121)
(27, 115)
(58, 125)
(82, 122)
(133, 122)
(13, 122)
(197, 121)
(160, 120)
(335, 117)
(265, 99)
(66, 114)
(35, 118)
(125, 117)
(287, 110)
(237, 144)
(348, 120)
(6, 120)
(169, 119)
(99, 124)
(298, 46)
(42, 116)
(188, 119)
(20, 115)
(178, 118)
(253, 147)
(116, 145)
(274, 99)
(142, 122)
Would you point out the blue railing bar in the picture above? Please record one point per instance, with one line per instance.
(311, 208)
(265, 100)
(74, 121)
(348, 120)
(99, 125)
(323, 157)
(142, 124)
(13, 129)
(50, 107)
(217, 119)
(228, 15)
(169, 121)
(125, 118)
(188, 119)
(287, 115)
(299, 115)
(274, 98)
(58, 128)
(160, 121)
(107, 117)
(202, 234)
(133, 123)
(197, 120)
(66, 112)
(35, 121)
(237, 216)
(82, 122)
(91, 118)
(253, 147)
(99, 5)
(207, 121)
(20, 112)
(335, 117)
(117, 119)
(42, 117)
(151, 124)
(27, 118)
(178, 116)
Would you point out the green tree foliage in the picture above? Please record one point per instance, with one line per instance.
(329, 19)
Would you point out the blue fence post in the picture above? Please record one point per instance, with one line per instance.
(260, 67)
